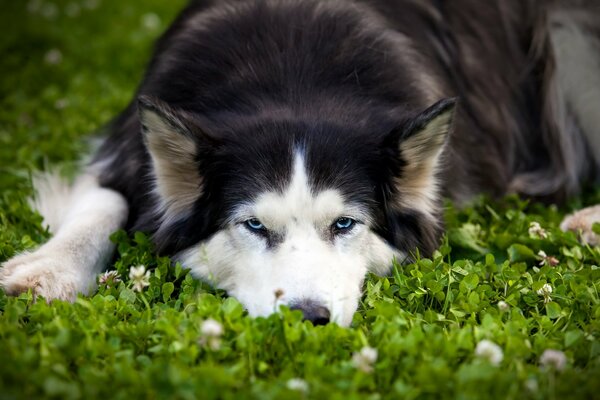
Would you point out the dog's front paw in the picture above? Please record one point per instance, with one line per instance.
(582, 222)
(47, 273)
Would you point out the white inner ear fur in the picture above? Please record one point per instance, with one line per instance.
(418, 185)
(178, 182)
(306, 264)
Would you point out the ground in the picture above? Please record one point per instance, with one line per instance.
(489, 316)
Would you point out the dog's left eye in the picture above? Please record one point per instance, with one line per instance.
(254, 225)
(343, 224)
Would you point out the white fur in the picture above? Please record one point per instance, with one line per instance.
(307, 265)
(82, 216)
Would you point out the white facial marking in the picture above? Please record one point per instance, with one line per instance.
(308, 262)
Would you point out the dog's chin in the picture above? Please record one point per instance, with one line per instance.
(263, 305)
(263, 289)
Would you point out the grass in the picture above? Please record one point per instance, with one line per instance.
(67, 68)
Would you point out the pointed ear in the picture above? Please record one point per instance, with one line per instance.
(420, 144)
(173, 144)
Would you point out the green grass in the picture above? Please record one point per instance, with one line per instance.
(425, 321)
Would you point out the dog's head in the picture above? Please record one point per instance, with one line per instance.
(294, 213)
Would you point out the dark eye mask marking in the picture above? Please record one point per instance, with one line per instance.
(256, 227)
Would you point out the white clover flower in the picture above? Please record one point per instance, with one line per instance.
(139, 277)
(211, 332)
(503, 306)
(213, 343)
(555, 359)
(546, 259)
(535, 230)
(545, 291)
(532, 385)
(212, 328)
(364, 359)
(489, 351)
(297, 384)
(109, 278)
(61, 104)
(53, 57)
(542, 254)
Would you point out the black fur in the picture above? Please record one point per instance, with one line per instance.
(338, 80)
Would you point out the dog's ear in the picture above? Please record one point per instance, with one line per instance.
(412, 203)
(419, 144)
(418, 147)
(423, 137)
(174, 143)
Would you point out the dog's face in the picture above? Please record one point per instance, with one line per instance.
(296, 214)
(300, 246)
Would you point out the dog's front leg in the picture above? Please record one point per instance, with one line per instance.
(69, 262)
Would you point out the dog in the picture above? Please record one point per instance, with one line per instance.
(281, 149)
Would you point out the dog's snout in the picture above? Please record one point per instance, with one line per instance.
(312, 311)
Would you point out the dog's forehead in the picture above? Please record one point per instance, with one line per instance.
(292, 169)
(300, 201)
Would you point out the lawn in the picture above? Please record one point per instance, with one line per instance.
(489, 316)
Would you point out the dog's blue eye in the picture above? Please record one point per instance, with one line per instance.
(254, 224)
(344, 224)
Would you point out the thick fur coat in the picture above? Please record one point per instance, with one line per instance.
(291, 146)
(369, 66)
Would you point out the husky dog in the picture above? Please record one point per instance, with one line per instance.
(291, 146)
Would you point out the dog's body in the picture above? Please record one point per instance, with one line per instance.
(291, 146)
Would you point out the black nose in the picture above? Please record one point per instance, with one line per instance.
(313, 311)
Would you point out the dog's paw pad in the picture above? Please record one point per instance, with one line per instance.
(46, 275)
(582, 222)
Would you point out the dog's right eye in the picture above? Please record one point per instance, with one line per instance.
(343, 225)
(255, 225)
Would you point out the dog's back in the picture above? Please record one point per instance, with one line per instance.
(527, 75)
(522, 119)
